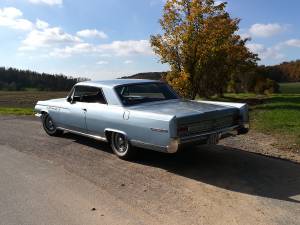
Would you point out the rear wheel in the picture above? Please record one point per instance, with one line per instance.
(121, 146)
(49, 126)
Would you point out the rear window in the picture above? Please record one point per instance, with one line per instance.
(147, 92)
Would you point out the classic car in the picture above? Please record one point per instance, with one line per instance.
(146, 114)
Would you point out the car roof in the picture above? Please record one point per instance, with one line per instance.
(115, 82)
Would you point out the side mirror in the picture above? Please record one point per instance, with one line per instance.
(69, 99)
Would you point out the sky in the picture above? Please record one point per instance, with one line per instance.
(105, 39)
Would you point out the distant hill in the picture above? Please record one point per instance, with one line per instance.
(149, 76)
(12, 79)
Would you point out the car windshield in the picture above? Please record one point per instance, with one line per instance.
(133, 94)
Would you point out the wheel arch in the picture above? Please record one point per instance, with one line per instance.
(108, 132)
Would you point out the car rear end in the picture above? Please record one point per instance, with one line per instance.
(208, 127)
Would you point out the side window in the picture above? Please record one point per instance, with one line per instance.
(89, 94)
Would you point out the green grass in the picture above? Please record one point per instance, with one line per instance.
(23, 102)
(279, 115)
(15, 111)
(276, 114)
(290, 88)
(26, 99)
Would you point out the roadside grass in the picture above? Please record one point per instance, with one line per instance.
(290, 88)
(279, 115)
(276, 114)
(22, 102)
(15, 111)
(26, 99)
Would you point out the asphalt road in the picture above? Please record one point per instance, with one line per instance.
(75, 180)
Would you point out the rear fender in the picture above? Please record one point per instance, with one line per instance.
(242, 107)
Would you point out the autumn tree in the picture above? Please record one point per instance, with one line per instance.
(202, 47)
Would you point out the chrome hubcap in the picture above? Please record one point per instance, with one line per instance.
(49, 124)
(120, 143)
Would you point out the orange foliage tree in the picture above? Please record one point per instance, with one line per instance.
(202, 47)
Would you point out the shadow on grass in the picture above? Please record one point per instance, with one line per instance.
(249, 101)
(228, 168)
(286, 99)
(274, 107)
(286, 102)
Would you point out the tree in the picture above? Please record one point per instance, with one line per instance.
(200, 44)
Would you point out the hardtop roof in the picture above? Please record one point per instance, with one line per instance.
(115, 82)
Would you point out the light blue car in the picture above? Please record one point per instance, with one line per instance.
(140, 113)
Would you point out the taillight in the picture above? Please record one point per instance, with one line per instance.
(182, 130)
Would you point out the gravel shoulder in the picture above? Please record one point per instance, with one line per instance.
(263, 144)
(221, 184)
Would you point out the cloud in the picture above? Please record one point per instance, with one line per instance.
(117, 48)
(266, 30)
(102, 62)
(128, 62)
(12, 18)
(80, 48)
(125, 48)
(218, 3)
(87, 33)
(266, 52)
(40, 24)
(47, 37)
(293, 43)
(245, 35)
(47, 2)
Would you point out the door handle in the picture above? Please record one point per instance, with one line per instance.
(84, 110)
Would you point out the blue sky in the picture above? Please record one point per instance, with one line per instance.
(103, 39)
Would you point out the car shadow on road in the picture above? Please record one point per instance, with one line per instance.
(100, 145)
(232, 169)
(224, 167)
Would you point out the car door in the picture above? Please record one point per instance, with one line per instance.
(73, 115)
(97, 114)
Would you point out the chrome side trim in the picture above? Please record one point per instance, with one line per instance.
(159, 130)
(149, 146)
(114, 130)
(171, 148)
(83, 134)
(38, 115)
(203, 135)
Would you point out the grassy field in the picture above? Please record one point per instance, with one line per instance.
(290, 88)
(16, 111)
(22, 102)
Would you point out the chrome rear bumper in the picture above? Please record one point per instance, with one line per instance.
(204, 136)
(176, 143)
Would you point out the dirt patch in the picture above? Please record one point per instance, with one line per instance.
(262, 144)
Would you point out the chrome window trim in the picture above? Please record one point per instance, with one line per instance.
(99, 88)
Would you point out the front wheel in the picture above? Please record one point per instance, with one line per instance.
(49, 126)
(121, 146)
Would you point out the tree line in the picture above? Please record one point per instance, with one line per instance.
(12, 79)
(284, 72)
